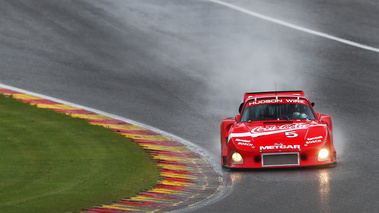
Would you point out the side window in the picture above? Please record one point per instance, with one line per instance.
(240, 108)
(245, 115)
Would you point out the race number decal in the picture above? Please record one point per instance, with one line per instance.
(291, 134)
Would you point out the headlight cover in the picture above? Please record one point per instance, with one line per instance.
(236, 158)
(323, 155)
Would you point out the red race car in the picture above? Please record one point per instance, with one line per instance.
(277, 129)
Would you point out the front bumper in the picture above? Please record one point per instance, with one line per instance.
(279, 159)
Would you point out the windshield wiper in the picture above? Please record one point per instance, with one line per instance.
(277, 122)
(280, 120)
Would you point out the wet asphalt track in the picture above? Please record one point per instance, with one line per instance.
(183, 65)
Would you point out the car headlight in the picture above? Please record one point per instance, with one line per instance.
(236, 158)
(323, 155)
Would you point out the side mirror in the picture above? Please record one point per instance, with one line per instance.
(240, 108)
(237, 118)
(313, 104)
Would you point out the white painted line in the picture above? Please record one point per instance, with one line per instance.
(313, 32)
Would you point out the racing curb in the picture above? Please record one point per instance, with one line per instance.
(186, 178)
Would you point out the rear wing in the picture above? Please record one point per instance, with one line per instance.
(294, 93)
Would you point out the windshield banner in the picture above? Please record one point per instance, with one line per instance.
(278, 101)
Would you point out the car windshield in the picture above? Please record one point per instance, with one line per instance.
(276, 111)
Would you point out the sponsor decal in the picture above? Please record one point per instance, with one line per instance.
(275, 101)
(297, 101)
(236, 135)
(241, 140)
(280, 127)
(244, 144)
(317, 139)
(268, 101)
(279, 146)
(273, 129)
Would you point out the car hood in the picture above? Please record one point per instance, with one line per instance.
(271, 133)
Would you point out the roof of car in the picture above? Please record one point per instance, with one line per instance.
(268, 94)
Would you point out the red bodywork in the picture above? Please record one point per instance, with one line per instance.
(276, 142)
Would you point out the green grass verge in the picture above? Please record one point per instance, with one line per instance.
(51, 162)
